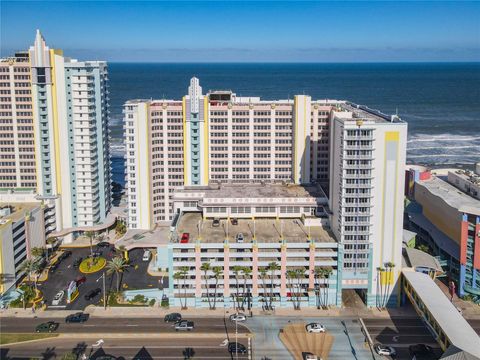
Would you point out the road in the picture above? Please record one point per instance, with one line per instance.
(131, 348)
(120, 325)
(400, 333)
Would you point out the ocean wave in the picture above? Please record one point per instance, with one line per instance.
(441, 137)
(444, 147)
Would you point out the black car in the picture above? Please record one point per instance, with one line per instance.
(173, 317)
(103, 244)
(236, 348)
(65, 255)
(79, 317)
(92, 293)
(421, 352)
(77, 262)
(216, 222)
(97, 253)
(54, 266)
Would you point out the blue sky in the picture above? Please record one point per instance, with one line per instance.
(248, 31)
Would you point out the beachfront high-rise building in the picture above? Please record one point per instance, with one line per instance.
(55, 123)
(356, 155)
(17, 148)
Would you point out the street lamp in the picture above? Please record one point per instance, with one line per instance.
(104, 293)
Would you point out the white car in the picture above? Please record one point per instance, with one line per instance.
(238, 317)
(146, 255)
(384, 350)
(315, 328)
(58, 298)
(239, 238)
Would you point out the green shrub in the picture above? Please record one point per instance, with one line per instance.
(139, 299)
(164, 303)
(151, 302)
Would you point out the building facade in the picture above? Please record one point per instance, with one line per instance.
(54, 135)
(17, 163)
(448, 221)
(23, 226)
(175, 149)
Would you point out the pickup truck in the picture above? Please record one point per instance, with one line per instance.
(184, 325)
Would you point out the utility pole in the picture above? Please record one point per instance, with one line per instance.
(104, 293)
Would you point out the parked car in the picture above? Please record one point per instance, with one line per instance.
(184, 325)
(49, 326)
(185, 238)
(236, 348)
(216, 222)
(80, 280)
(77, 262)
(58, 297)
(146, 255)
(79, 317)
(54, 266)
(103, 244)
(384, 350)
(173, 317)
(234, 221)
(310, 356)
(315, 328)
(92, 293)
(421, 351)
(64, 255)
(239, 238)
(97, 253)
(238, 317)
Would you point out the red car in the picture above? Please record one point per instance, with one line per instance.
(80, 280)
(185, 238)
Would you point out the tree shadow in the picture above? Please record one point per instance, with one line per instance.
(142, 354)
(49, 353)
(79, 349)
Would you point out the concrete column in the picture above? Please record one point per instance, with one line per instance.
(311, 267)
(339, 274)
(255, 270)
(283, 270)
(476, 245)
(226, 270)
(198, 272)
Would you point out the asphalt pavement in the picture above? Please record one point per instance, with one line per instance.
(120, 325)
(401, 333)
(130, 348)
(136, 277)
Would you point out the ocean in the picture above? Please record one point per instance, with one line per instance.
(440, 101)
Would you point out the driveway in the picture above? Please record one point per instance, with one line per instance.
(136, 277)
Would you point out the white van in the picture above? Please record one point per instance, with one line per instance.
(146, 255)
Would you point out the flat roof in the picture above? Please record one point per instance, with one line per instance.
(364, 112)
(256, 191)
(266, 230)
(452, 195)
(19, 210)
(455, 327)
(417, 258)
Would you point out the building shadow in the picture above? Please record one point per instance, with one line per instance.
(142, 354)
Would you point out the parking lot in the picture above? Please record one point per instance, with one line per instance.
(136, 277)
(400, 333)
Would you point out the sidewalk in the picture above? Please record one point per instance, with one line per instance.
(141, 312)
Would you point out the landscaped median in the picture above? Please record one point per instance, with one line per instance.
(92, 265)
(16, 338)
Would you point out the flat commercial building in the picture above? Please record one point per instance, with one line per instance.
(330, 166)
(448, 220)
(22, 227)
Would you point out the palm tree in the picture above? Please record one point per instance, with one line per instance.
(290, 276)
(236, 271)
(184, 271)
(389, 269)
(263, 276)
(91, 236)
(380, 270)
(272, 267)
(206, 268)
(318, 274)
(30, 266)
(178, 276)
(27, 294)
(217, 273)
(326, 274)
(299, 276)
(247, 272)
(117, 265)
(37, 252)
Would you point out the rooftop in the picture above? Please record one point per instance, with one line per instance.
(256, 191)
(456, 328)
(365, 113)
(417, 258)
(18, 210)
(266, 230)
(452, 196)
